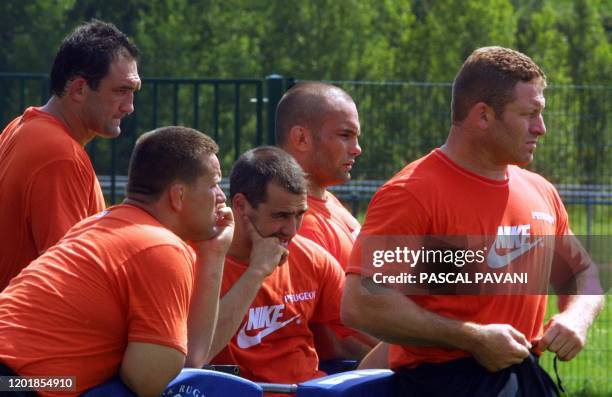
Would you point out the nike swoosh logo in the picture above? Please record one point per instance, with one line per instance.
(245, 341)
(496, 261)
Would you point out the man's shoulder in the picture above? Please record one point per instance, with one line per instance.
(533, 179)
(319, 217)
(303, 245)
(136, 227)
(529, 175)
(308, 254)
(418, 174)
(39, 136)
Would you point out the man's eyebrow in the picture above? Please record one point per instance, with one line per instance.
(349, 130)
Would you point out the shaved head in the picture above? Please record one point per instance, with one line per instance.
(306, 104)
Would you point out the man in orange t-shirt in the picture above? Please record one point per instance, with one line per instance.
(47, 182)
(473, 345)
(123, 293)
(318, 124)
(274, 283)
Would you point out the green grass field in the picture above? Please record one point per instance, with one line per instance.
(596, 219)
(590, 373)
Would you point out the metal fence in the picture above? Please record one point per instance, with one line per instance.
(400, 122)
(231, 111)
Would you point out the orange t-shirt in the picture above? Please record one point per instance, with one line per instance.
(116, 277)
(434, 196)
(274, 342)
(330, 225)
(47, 184)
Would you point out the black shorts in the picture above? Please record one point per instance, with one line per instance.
(465, 377)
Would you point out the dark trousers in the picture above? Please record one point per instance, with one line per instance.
(6, 371)
(465, 377)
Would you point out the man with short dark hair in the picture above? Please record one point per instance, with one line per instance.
(133, 290)
(471, 345)
(275, 283)
(47, 182)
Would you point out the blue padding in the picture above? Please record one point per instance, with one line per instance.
(190, 382)
(114, 387)
(200, 382)
(334, 366)
(359, 383)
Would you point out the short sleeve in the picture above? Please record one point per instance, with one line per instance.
(570, 258)
(160, 282)
(331, 287)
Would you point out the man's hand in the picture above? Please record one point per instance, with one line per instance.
(204, 308)
(565, 335)
(266, 252)
(224, 232)
(499, 346)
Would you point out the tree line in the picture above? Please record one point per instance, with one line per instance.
(360, 41)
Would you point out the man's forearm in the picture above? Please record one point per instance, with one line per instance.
(586, 306)
(232, 309)
(204, 308)
(391, 317)
(394, 318)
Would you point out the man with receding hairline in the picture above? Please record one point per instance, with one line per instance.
(476, 345)
(47, 181)
(318, 124)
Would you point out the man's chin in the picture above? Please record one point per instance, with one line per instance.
(110, 132)
(342, 178)
(524, 161)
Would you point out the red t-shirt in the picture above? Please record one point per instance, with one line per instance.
(330, 225)
(434, 196)
(274, 342)
(116, 277)
(47, 184)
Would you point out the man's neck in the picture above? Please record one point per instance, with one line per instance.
(315, 190)
(472, 157)
(240, 247)
(74, 125)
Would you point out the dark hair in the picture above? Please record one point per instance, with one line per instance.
(489, 75)
(166, 155)
(88, 52)
(258, 167)
(304, 104)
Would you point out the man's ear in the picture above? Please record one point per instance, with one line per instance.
(481, 115)
(77, 89)
(175, 195)
(300, 138)
(240, 205)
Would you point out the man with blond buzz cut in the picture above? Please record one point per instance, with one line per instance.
(475, 345)
(318, 124)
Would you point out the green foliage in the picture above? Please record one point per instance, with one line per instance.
(414, 40)
(349, 40)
